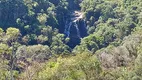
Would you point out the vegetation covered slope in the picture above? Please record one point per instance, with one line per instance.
(33, 45)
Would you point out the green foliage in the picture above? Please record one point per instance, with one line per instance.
(83, 66)
(4, 49)
(36, 52)
(12, 33)
(42, 18)
(57, 46)
(35, 48)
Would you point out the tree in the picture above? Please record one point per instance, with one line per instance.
(37, 53)
(80, 67)
(58, 46)
(12, 34)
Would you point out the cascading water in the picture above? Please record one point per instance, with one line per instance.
(67, 29)
(75, 28)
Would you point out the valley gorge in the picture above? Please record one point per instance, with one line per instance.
(70, 39)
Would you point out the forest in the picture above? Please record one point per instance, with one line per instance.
(70, 39)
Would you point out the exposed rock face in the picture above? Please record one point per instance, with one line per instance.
(75, 28)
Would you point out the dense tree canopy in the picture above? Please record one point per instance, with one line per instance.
(70, 39)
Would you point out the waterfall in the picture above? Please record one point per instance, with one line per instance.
(67, 29)
(84, 24)
(77, 29)
(75, 25)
